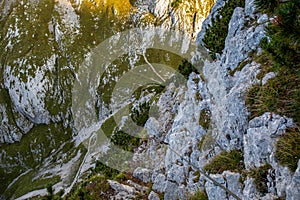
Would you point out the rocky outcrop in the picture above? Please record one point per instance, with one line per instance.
(223, 95)
(259, 149)
(185, 16)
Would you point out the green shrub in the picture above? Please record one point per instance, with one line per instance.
(125, 141)
(49, 191)
(260, 177)
(140, 115)
(96, 188)
(266, 6)
(281, 94)
(216, 34)
(232, 160)
(106, 171)
(186, 68)
(288, 149)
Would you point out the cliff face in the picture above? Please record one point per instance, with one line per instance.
(191, 144)
(43, 45)
(186, 124)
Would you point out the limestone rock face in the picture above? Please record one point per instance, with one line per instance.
(142, 174)
(123, 191)
(185, 16)
(260, 139)
(192, 122)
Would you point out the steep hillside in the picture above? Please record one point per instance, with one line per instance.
(147, 100)
(43, 45)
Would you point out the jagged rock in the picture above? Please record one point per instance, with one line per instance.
(153, 196)
(33, 91)
(153, 127)
(250, 9)
(213, 191)
(176, 174)
(240, 40)
(123, 191)
(230, 180)
(250, 191)
(263, 19)
(137, 186)
(260, 139)
(159, 183)
(142, 174)
(293, 189)
(267, 77)
(233, 183)
(171, 191)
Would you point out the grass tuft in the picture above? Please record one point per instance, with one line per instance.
(260, 177)
(288, 149)
(199, 195)
(232, 161)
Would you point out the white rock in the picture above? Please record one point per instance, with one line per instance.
(142, 174)
(153, 196)
(267, 77)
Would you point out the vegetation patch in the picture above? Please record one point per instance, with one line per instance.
(140, 115)
(109, 126)
(197, 176)
(96, 187)
(186, 68)
(125, 141)
(288, 149)
(176, 3)
(281, 55)
(106, 171)
(232, 161)
(216, 34)
(260, 177)
(199, 195)
(205, 118)
(27, 183)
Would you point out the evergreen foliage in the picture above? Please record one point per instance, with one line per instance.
(266, 6)
(216, 34)
(281, 94)
(186, 68)
(126, 141)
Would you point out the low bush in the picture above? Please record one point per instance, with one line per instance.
(186, 68)
(216, 34)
